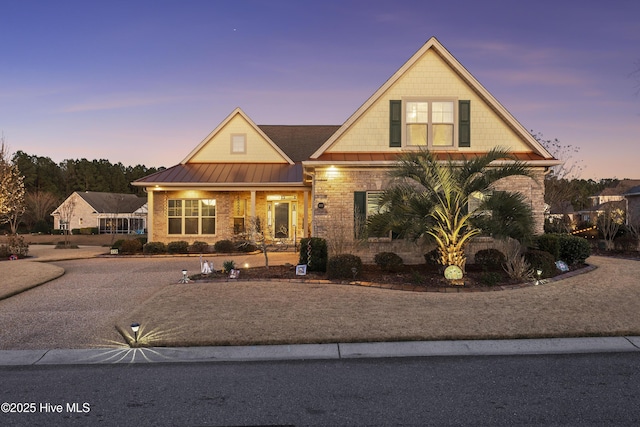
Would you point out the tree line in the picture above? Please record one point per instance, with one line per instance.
(47, 183)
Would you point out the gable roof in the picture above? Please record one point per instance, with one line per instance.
(112, 202)
(237, 112)
(434, 45)
(633, 191)
(621, 188)
(299, 142)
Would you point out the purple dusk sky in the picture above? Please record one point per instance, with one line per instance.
(143, 82)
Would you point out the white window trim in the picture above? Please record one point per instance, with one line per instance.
(183, 217)
(430, 145)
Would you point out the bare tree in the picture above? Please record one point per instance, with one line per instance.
(40, 204)
(66, 211)
(571, 168)
(12, 192)
(609, 223)
(255, 236)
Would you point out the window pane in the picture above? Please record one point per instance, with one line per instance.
(238, 225)
(442, 112)
(209, 226)
(237, 143)
(191, 208)
(442, 135)
(175, 208)
(175, 225)
(416, 134)
(417, 112)
(191, 226)
(373, 200)
(208, 207)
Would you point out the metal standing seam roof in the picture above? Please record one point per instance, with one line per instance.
(228, 173)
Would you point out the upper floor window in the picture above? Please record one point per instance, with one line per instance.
(429, 123)
(238, 143)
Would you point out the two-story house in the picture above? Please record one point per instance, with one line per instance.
(320, 180)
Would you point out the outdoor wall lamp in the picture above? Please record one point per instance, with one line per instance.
(185, 278)
(135, 327)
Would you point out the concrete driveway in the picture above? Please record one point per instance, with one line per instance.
(79, 309)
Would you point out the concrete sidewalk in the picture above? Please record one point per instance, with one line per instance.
(120, 355)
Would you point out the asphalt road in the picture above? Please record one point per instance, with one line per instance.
(585, 390)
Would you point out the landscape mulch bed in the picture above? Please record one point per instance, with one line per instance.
(416, 276)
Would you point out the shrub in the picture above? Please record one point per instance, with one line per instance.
(142, 240)
(88, 230)
(432, 258)
(541, 260)
(200, 247)
(245, 246)
(318, 260)
(625, 243)
(490, 278)
(574, 250)
(490, 259)
(342, 266)
(224, 246)
(154, 248)
(75, 231)
(389, 261)
(228, 266)
(117, 244)
(178, 247)
(42, 226)
(131, 246)
(548, 243)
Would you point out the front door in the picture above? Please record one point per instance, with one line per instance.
(282, 216)
(281, 220)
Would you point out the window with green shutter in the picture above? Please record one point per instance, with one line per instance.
(395, 123)
(464, 123)
(359, 212)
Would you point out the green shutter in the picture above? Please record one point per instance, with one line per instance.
(395, 123)
(464, 123)
(359, 212)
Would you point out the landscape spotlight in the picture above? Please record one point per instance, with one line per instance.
(135, 327)
(538, 273)
(185, 278)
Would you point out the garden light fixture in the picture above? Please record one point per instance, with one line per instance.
(135, 327)
(185, 278)
(538, 274)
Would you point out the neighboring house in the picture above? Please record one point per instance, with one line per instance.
(561, 214)
(632, 197)
(110, 213)
(322, 180)
(609, 199)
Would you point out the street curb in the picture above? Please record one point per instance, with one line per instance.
(335, 351)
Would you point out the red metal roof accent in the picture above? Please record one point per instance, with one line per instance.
(390, 157)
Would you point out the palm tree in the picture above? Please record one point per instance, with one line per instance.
(451, 202)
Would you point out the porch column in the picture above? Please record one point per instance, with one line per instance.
(150, 216)
(253, 203)
(305, 217)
